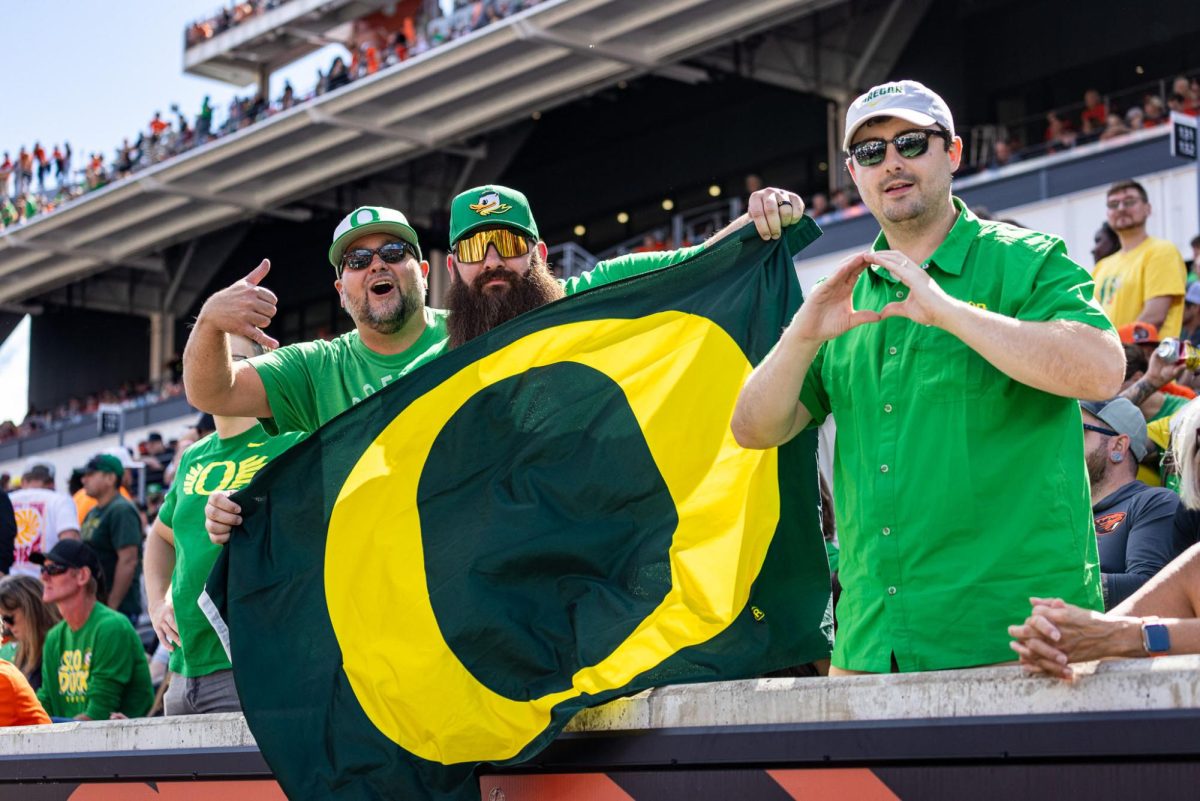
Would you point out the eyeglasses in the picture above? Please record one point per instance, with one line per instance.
(1127, 203)
(1108, 432)
(54, 569)
(473, 248)
(909, 144)
(361, 258)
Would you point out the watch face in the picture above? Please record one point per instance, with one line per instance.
(1156, 638)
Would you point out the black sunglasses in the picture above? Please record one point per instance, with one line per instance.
(1108, 432)
(54, 569)
(7, 620)
(361, 258)
(909, 144)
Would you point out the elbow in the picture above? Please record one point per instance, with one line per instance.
(1106, 372)
(746, 435)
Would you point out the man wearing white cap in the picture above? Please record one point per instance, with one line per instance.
(949, 353)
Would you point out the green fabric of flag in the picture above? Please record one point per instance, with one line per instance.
(549, 517)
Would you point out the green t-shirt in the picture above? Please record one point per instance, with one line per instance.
(603, 272)
(310, 383)
(97, 670)
(1171, 404)
(960, 492)
(8, 651)
(107, 529)
(211, 464)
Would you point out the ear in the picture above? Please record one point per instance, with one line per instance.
(850, 169)
(424, 269)
(450, 265)
(542, 250)
(955, 152)
(337, 287)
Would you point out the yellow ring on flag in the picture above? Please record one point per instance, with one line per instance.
(681, 375)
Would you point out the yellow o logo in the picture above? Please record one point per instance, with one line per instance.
(681, 375)
(228, 469)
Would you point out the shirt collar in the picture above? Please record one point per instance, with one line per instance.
(951, 255)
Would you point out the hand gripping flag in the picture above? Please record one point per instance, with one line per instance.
(551, 516)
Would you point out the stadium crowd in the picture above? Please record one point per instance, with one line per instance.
(38, 181)
(85, 572)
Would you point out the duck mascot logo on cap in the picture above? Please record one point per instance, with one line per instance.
(489, 203)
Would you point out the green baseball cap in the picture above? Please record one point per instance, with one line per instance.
(490, 205)
(370, 220)
(105, 463)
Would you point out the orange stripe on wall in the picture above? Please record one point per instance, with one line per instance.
(560, 787)
(180, 791)
(833, 784)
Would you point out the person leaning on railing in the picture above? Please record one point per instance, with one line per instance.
(1163, 617)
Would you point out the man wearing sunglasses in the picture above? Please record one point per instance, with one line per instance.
(497, 261)
(949, 354)
(379, 275)
(93, 663)
(1145, 280)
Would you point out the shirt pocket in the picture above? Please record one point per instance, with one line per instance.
(947, 370)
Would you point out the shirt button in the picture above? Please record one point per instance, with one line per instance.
(891, 590)
(883, 468)
(892, 351)
(887, 407)
(899, 294)
(886, 531)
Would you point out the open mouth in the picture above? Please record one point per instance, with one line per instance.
(381, 287)
(897, 188)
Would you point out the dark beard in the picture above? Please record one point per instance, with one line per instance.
(1097, 465)
(474, 312)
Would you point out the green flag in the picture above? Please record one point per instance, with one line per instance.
(551, 516)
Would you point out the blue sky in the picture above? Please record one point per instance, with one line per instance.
(94, 73)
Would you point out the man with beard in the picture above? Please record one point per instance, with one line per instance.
(1134, 522)
(949, 354)
(497, 260)
(1145, 279)
(380, 280)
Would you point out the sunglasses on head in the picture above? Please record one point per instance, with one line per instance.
(54, 569)
(909, 144)
(361, 258)
(473, 247)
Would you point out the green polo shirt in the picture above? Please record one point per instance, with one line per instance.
(959, 492)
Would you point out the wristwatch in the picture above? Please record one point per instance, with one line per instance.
(1155, 638)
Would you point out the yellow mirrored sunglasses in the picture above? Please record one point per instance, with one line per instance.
(473, 247)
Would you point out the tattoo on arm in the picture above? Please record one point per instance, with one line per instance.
(1138, 393)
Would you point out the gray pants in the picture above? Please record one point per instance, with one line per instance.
(202, 694)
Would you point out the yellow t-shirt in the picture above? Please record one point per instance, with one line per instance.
(1125, 281)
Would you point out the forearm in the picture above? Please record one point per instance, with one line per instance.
(735, 224)
(768, 411)
(1155, 310)
(121, 582)
(159, 562)
(207, 367)
(1061, 357)
(1119, 586)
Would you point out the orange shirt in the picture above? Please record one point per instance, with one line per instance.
(18, 702)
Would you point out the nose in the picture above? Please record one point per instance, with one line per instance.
(492, 259)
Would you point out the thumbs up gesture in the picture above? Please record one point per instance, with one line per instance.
(243, 308)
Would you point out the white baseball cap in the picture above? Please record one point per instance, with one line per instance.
(370, 220)
(908, 100)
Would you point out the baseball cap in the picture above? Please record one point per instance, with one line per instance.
(105, 463)
(72, 553)
(1122, 416)
(1138, 333)
(370, 220)
(908, 100)
(1193, 293)
(490, 205)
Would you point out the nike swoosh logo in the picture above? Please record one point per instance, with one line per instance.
(255, 444)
